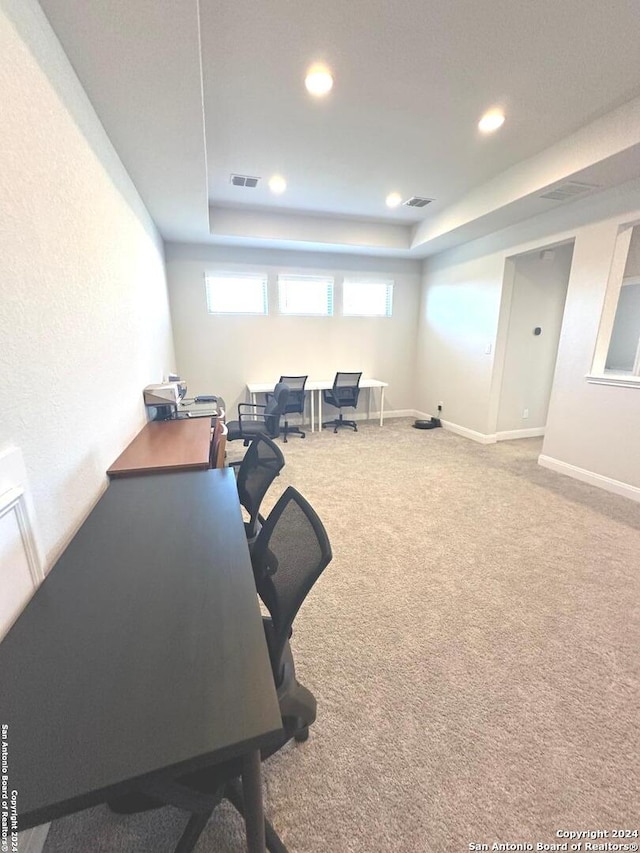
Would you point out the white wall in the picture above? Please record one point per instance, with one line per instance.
(537, 300)
(458, 323)
(84, 320)
(221, 354)
(591, 427)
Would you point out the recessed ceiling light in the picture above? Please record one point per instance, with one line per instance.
(277, 184)
(318, 81)
(394, 199)
(491, 121)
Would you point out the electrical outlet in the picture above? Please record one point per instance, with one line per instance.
(487, 349)
(525, 413)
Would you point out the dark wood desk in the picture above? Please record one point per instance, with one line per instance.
(179, 445)
(142, 655)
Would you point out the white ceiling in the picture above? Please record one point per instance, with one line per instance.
(411, 81)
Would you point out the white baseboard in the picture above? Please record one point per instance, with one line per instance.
(480, 437)
(395, 413)
(32, 840)
(486, 438)
(616, 486)
(510, 434)
(362, 416)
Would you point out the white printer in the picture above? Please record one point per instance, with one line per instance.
(162, 399)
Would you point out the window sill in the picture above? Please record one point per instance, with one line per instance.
(619, 379)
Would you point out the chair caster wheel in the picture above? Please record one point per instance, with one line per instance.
(302, 734)
(355, 429)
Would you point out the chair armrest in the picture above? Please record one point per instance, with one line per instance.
(250, 406)
(252, 414)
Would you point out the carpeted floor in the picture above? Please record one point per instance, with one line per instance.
(473, 647)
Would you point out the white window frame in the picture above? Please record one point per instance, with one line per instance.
(259, 279)
(599, 374)
(285, 279)
(362, 283)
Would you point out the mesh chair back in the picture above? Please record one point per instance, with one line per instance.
(346, 388)
(296, 384)
(290, 553)
(262, 463)
(275, 407)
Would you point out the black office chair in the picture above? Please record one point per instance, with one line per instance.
(254, 419)
(295, 403)
(344, 394)
(262, 463)
(291, 552)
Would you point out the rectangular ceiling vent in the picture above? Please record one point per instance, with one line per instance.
(568, 191)
(416, 201)
(244, 181)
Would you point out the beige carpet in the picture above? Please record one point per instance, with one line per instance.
(473, 647)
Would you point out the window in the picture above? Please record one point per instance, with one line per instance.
(624, 348)
(236, 293)
(367, 299)
(312, 295)
(617, 358)
(623, 355)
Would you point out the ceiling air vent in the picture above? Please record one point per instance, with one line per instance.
(244, 181)
(416, 201)
(568, 191)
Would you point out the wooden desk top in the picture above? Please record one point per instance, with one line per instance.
(180, 445)
(142, 654)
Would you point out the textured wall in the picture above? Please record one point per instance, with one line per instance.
(222, 354)
(84, 319)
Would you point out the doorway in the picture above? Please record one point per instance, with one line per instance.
(538, 291)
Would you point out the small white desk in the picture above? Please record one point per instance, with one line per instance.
(318, 386)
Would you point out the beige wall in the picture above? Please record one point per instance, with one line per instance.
(221, 354)
(84, 320)
(592, 427)
(458, 323)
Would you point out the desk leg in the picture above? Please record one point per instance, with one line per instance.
(254, 812)
(381, 406)
(369, 405)
(319, 410)
(313, 405)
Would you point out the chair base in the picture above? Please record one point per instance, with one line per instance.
(291, 430)
(201, 806)
(340, 422)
